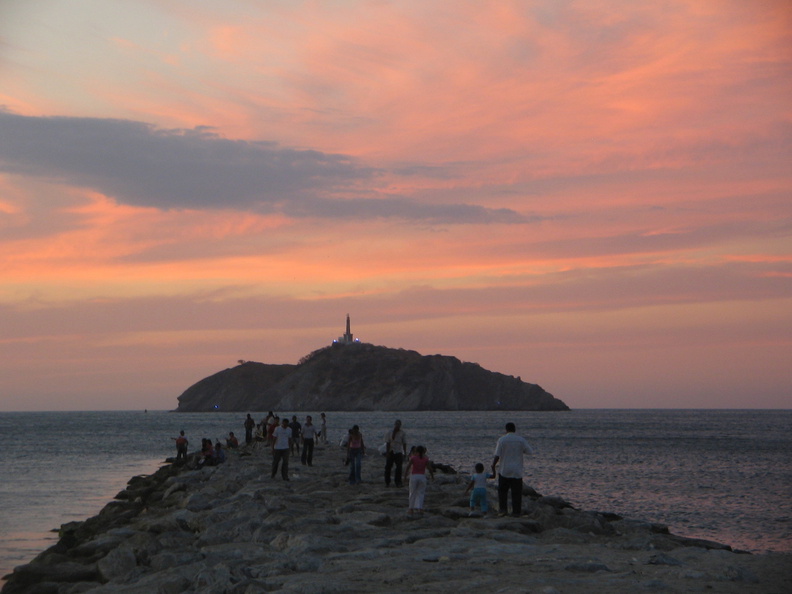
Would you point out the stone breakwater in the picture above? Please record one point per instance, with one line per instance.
(233, 529)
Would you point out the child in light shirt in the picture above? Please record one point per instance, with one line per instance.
(478, 483)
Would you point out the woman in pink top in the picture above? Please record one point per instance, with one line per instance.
(356, 449)
(416, 469)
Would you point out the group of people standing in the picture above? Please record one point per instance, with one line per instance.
(418, 464)
(289, 437)
(286, 437)
(265, 430)
(507, 465)
(394, 449)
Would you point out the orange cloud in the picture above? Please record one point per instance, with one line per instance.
(644, 151)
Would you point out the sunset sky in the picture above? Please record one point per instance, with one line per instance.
(595, 196)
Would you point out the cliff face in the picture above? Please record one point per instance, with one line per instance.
(233, 389)
(365, 377)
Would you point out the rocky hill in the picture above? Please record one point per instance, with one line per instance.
(365, 377)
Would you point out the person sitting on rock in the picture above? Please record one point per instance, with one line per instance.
(219, 454)
(478, 484)
(231, 441)
(207, 454)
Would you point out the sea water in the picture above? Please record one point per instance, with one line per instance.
(723, 475)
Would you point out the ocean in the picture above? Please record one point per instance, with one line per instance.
(723, 475)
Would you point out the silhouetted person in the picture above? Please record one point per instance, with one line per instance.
(356, 449)
(181, 447)
(296, 427)
(509, 454)
(396, 441)
(308, 435)
(250, 424)
(281, 442)
(323, 429)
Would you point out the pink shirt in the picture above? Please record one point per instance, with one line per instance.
(419, 465)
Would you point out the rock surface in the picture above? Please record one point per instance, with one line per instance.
(233, 529)
(365, 377)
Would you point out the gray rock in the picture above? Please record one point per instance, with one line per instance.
(587, 567)
(656, 586)
(61, 572)
(102, 544)
(554, 501)
(741, 574)
(663, 559)
(211, 580)
(117, 564)
(200, 502)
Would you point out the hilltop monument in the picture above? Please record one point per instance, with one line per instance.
(347, 338)
(364, 377)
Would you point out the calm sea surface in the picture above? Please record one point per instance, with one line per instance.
(724, 475)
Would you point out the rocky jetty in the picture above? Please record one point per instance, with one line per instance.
(364, 377)
(232, 529)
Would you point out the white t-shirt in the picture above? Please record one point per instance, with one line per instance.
(398, 445)
(309, 431)
(510, 450)
(282, 436)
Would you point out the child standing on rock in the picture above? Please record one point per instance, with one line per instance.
(478, 484)
(181, 447)
(416, 469)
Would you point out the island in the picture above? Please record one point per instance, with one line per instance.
(350, 375)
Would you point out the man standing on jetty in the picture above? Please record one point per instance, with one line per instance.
(396, 441)
(323, 430)
(181, 447)
(308, 436)
(250, 424)
(509, 454)
(281, 443)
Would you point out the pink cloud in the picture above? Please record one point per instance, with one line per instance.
(639, 153)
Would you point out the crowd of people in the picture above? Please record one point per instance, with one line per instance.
(288, 437)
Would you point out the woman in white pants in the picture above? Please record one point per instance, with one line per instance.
(416, 470)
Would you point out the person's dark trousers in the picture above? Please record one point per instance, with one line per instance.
(277, 456)
(505, 485)
(248, 435)
(307, 453)
(391, 460)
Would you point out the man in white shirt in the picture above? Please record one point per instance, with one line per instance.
(281, 443)
(308, 435)
(509, 454)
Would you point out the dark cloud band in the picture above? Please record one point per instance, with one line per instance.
(139, 164)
